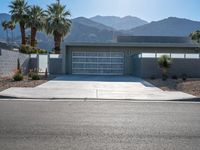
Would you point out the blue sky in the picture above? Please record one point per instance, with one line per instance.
(150, 10)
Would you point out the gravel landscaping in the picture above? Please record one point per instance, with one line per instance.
(7, 82)
(190, 86)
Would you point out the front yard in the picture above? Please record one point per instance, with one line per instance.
(7, 82)
(190, 86)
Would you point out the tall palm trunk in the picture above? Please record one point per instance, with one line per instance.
(57, 42)
(33, 36)
(7, 38)
(12, 36)
(23, 33)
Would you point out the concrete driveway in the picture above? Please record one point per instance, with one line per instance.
(110, 83)
(96, 87)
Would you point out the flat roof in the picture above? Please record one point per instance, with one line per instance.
(129, 44)
(144, 41)
(155, 39)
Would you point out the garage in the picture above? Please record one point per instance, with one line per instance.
(97, 63)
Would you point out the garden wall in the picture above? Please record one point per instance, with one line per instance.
(55, 66)
(8, 62)
(54, 63)
(148, 67)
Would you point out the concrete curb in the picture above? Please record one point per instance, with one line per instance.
(196, 99)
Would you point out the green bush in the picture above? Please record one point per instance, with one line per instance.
(31, 50)
(35, 76)
(164, 62)
(18, 76)
(174, 77)
(152, 77)
(184, 77)
(164, 77)
(30, 73)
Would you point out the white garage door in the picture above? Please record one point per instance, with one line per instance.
(98, 63)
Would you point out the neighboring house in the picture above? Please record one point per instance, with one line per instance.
(132, 55)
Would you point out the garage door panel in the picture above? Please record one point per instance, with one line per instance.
(91, 65)
(117, 60)
(103, 60)
(104, 54)
(98, 63)
(91, 54)
(78, 65)
(104, 66)
(75, 59)
(92, 60)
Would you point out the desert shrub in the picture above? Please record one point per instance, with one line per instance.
(164, 62)
(184, 77)
(18, 76)
(42, 51)
(164, 77)
(175, 77)
(35, 76)
(30, 73)
(152, 77)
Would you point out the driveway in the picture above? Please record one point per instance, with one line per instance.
(110, 83)
(96, 87)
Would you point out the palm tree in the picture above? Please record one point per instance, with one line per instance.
(19, 9)
(5, 28)
(195, 36)
(57, 23)
(36, 22)
(164, 62)
(11, 26)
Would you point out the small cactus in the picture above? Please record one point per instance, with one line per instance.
(46, 73)
(19, 66)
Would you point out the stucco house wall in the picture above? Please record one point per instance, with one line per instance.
(130, 66)
(148, 67)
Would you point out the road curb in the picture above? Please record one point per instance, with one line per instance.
(196, 99)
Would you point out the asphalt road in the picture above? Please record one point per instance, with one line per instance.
(99, 126)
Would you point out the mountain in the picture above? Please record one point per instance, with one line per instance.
(90, 23)
(85, 30)
(171, 26)
(118, 23)
(4, 16)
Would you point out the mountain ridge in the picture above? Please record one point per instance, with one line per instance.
(171, 26)
(86, 30)
(119, 23)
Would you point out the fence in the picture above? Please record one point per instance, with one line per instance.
(146, 65)
(51, 62)
(171, 55)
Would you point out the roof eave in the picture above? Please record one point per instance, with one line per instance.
(161, 45)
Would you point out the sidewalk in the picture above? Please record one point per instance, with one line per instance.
(39, 93)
